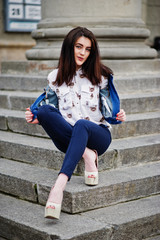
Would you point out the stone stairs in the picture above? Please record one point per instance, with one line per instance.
(126, 203)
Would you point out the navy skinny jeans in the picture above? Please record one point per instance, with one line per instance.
(73, 140)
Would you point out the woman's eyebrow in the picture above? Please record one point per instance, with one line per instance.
(82, 45)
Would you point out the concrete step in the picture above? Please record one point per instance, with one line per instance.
(135, 220)
(22, 82)
(22, 220)
(153, 238)
(136, 124)
(33, 183)
(132, 103)
(140, 102)
(137, 83)
(42, 152)
(120, 67)
(124, 84)
(17, 100)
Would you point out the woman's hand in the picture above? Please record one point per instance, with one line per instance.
(121, 116)
(29, 116)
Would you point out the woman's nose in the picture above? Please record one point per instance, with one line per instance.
(82, 51)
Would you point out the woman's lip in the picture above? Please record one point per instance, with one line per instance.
(81, 59)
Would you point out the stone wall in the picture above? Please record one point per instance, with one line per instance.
(13, 45)
(151, 16)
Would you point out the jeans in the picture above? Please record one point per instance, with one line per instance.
(73, 140)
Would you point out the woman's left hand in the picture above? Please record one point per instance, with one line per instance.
(121, 116)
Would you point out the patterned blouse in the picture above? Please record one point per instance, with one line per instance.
(79, 100)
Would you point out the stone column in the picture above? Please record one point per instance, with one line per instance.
(117, 24)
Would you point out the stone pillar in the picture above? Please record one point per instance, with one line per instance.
(117, 24)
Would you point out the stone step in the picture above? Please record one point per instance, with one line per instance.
(132, 103)
(134, 220)
(153, 238)
(120, 67)
(22, 83)
(22, 220)
(137, 83)
(42, 152)
(136, 124)
(140, 102)
(124, 84)
(17, 100)
(33, 183)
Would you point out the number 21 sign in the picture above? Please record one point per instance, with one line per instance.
(22, 15)
(16, 11)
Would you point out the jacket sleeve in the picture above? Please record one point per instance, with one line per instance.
(110, 102)
(48, 97)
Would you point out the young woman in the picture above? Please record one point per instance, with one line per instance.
(77, 127)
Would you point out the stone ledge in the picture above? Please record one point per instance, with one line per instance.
(34, 183)
(26, 221)
(127, 221)
(19, 82)
(120, 67)
(133, 220)
(135, 125)
(153, 238)
(42, 152)
(124, 84)
(132, 103)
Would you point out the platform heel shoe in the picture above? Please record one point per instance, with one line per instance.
(91, 178)
(52, 210)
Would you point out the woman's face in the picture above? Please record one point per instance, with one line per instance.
(82, 50)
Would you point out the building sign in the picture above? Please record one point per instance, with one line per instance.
(22, 15)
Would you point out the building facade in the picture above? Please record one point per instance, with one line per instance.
(13, 45)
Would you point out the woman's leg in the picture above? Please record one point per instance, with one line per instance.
(85, 134)
(60, 132)
(56, 195)
(56, 126)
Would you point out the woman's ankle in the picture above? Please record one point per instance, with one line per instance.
(55, 196)
(61, 181)
(89, 159)
(56, 193)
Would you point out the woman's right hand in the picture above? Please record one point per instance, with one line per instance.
(29, 117)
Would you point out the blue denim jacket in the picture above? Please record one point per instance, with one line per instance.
(110, 102)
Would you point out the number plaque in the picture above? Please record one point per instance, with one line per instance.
(22, 15)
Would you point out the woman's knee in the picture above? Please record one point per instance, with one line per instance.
(41, 113)
(81, 123)
(44, 111)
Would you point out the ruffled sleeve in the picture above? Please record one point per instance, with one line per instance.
(51, 78)
(104, 82)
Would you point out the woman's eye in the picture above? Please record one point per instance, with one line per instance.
(78, 46)
(88, 49)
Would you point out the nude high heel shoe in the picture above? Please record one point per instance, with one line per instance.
(91, 178)
(52, 210)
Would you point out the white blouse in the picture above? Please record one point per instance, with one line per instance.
(80, 100)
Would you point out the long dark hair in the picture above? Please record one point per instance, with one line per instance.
(92, 68)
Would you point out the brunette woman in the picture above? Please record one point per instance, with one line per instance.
(77, 127)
